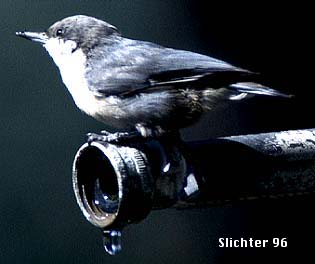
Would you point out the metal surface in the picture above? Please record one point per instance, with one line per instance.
(292, 145)
(117, 185)
(116, 176)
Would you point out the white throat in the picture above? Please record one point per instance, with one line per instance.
(71, 63)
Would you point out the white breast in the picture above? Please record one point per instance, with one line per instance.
(72, 69)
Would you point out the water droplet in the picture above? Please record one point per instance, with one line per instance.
(112, 241)
(167, 167)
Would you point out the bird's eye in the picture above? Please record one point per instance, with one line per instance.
(59, 32)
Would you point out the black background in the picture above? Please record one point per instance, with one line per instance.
(41, 129)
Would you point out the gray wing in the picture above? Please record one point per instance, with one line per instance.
(137, 66)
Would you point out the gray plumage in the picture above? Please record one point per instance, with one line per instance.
(138, 84)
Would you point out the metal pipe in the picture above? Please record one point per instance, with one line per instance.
(116, 185)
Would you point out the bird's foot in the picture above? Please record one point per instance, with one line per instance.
(105, 132)
(117, 137)
(141, 133)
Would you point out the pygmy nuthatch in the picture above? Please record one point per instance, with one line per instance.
(133, 85)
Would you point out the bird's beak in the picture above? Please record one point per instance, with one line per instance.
(40, 37)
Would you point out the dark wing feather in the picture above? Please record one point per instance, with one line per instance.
(136, 66)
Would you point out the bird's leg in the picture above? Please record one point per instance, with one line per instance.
(150, 132)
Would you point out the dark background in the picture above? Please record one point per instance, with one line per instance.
(41, 130)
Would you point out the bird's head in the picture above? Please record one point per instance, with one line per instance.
(72, 33)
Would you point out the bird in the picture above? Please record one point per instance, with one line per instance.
(139, 88)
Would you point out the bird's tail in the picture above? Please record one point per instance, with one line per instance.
(255, 88)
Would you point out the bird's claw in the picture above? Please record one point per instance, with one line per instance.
(118, 137)
(91, 137)
(105, 132)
